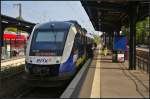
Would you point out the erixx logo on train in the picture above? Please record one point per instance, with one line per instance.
(42, 60)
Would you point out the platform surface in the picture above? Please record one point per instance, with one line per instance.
(105, 79)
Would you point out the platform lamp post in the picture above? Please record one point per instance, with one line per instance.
(148, 27)
(20, 12)
(20, 16)
(20, 9)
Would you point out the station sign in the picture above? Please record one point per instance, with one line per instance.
(120, 43)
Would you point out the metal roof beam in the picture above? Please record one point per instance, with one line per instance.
(106, 6)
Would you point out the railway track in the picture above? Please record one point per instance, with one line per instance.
(11, 83)
(21, 89)
(11, 75)
(12, 72)
(41, 92)
(12, 67)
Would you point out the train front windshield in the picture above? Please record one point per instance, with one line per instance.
(48, 41)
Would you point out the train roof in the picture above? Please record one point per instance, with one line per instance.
(74, 22)
(54, 24)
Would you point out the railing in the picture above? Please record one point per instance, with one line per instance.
(142, 59)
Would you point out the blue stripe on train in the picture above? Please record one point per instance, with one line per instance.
(68, 66)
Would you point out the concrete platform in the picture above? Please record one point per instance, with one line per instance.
(89, 85)
(104, 79)
(119, 82)
(12, 63)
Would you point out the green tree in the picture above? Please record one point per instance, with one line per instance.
(96, 39)
(20, 18)
(142, 32)
(12, 29)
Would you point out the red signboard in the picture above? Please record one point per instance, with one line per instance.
(14, 36)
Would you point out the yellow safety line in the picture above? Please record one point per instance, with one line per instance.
(95, 93)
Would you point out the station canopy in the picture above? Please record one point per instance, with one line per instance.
(110, 15)
(7, 21)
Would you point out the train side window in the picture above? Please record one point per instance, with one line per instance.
(77, 41)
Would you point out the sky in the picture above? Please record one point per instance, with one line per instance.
(43, 11)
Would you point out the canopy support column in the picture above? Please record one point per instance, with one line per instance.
(132, 38)
(2, 31)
